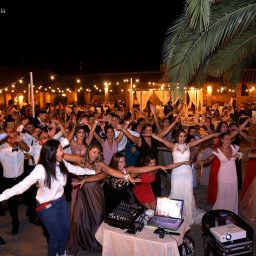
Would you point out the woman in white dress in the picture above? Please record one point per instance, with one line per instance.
(181, 177)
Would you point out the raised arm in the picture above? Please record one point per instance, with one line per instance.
(142, 114)
(22, 145)
(91, 133)
(144, 169)
(73, 158)
(243, 125)
(71, 134)
(175, 165)
(164, 132)
(112, 172)
(205, 161)
(99, 139)
(59, 125)
(132, 138)
(153, 110)
(169, 113)
(77, 170)
(240, 130)
(172, 125)
(88, 179)
(25, 184)
(207, 137)
(119, 137)
(167, 143)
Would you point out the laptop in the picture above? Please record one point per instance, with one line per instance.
(168, 213)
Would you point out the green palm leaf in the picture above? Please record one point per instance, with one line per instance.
(202, 74)
(233, 74)
(233, 53)
(173, 36)
(192, 47)
(198, 11)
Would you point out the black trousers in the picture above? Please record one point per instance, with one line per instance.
(30, 195)
(13, 201)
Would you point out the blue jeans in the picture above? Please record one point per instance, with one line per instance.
(57, 222)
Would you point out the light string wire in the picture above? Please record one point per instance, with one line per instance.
(12, 85)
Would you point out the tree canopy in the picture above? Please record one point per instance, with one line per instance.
(211, 38)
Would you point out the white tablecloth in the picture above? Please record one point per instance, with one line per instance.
(115, 242)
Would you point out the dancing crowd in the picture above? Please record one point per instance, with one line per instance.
(95, 158)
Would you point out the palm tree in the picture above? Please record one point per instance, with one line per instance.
(211, 38)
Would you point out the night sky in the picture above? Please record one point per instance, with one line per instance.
(99, 38)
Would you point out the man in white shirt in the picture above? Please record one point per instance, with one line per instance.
(12, 160)
(26, 129)
(119, 135)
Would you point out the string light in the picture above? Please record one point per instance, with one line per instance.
(52, 89)
(12, 85)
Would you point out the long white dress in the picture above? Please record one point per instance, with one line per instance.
(227, 197)
(182, 184)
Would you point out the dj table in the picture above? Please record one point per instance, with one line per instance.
(115, 242)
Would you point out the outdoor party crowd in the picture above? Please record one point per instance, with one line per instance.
(96, 157)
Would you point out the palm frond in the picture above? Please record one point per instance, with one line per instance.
(202, 73)
(234, 73)
(191, 49)
(233, 53)
(172, 37)
(198, 12)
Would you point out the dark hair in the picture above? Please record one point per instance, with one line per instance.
(223, 135)
(220, 124)
(191, 128)
(42, 112)
(126, 116)
(145, 126)
(108, 111)
(85, 135)
(190, 137)
(208, 117)
(115, 160)
(169, 119)
(108, 127)
(29, 123)
(177, 134)
(135, 126)
(232, 124)
(117, 117)
(216, 110)
(147, 159)
(140, 120)
(48, 160)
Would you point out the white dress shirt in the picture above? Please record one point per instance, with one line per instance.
(44, 194)
(35, 153)
(28, 139)
(123, 141)
(12, 162)
(36, 149)
(3, 136)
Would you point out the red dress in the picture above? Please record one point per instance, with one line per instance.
(249, 175)
(143, 190)
(213, 177)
